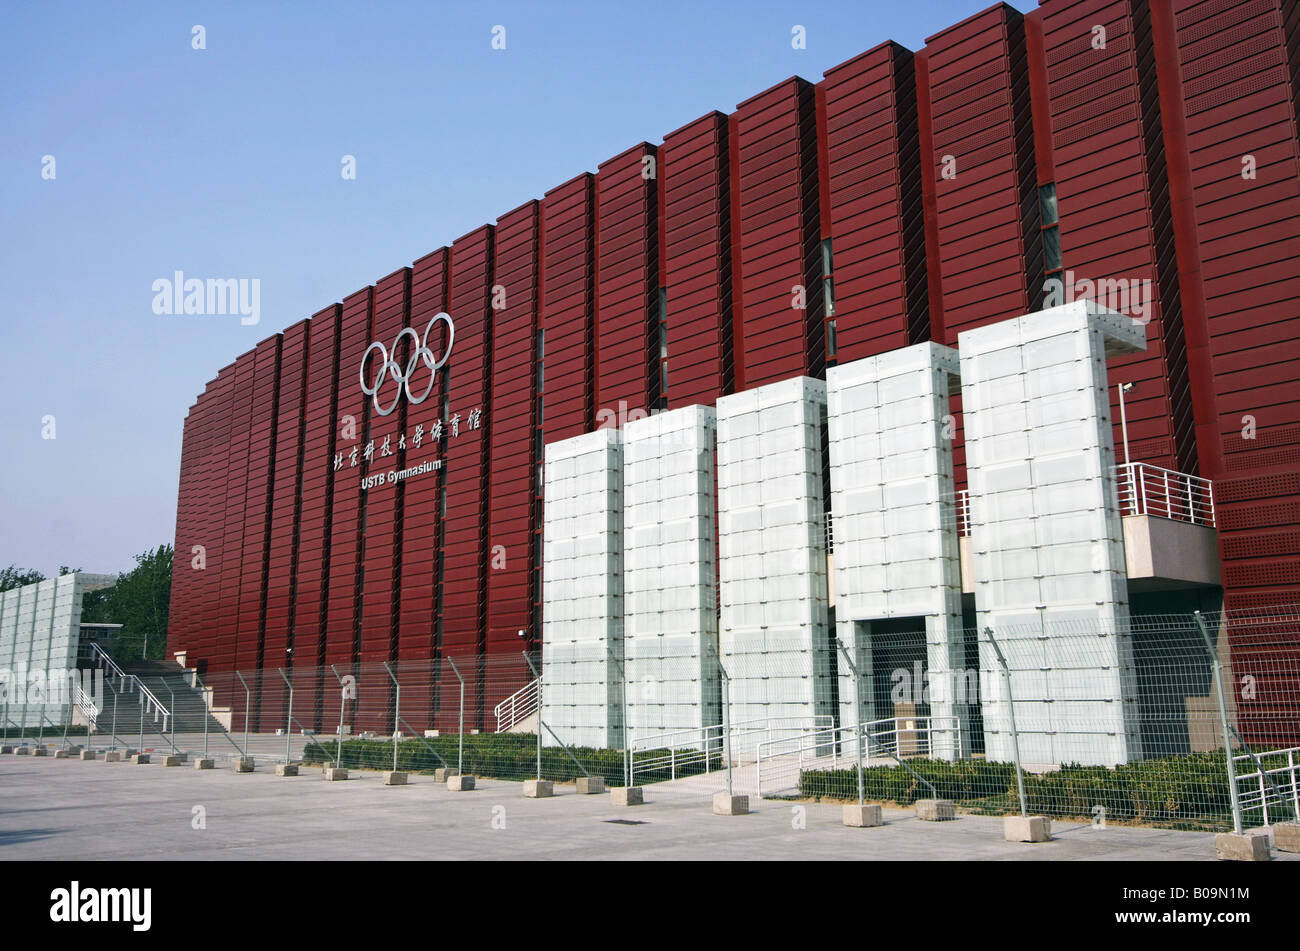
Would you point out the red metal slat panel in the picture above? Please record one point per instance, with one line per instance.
(567, 309)
(351, 418)
(777, 234)
(512, 551)
(464, 587)
(626, 285)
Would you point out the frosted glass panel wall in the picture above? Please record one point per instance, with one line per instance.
(582, 585)
(895, 535)
(772, 551)
(670, 636)
(1046, 533)
(40, 627)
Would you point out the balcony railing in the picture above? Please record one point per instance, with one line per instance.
(1143, 489)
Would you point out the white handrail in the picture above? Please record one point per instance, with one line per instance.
(839, 741)
(710, 740)
(520, 705)
(1143, 489)
(87, 706)
(105, 662)
(131, 681)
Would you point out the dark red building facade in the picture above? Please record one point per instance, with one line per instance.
(912, 195)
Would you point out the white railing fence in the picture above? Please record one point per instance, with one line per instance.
(683, 751)
(1145, 489)
(1276, 786)
(87, 706)
(129, 682)
(783, 759)
(517, 707)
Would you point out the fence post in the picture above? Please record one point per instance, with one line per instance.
(397, 710)
(139, 695)
(857, 716)
(342, 707)
(726, 718)
(6, 715)
(1295, 787)
(1217, 668)
(1011, 716)
(114, 731)
(529, 661)
(460, 728)
(288, 721)
(627, 734)
(247, 703)
(22, 722)
(171, 715)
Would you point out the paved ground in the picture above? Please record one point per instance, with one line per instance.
(70, 809)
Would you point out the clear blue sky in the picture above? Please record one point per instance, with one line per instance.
(225, 162)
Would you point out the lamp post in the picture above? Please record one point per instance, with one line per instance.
(1123, 416)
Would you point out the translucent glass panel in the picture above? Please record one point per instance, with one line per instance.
(582, 590)
(772, 550)
(670, 636)
(896, 552)
(1047, 539)
(40, 626)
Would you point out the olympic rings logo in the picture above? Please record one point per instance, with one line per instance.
(388, 365)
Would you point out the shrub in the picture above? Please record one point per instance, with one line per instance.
(489, 755)
(1189, 791)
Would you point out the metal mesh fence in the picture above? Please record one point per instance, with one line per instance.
(1117, 724)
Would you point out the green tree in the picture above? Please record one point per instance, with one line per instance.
(140, 602)
(11, 577)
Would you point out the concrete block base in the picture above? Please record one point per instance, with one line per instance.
(112, 756)
(591, 785)
(627, 795)
(140, 759)
(172, 760)
(243, 764)
(1026, 828)
(286, 769)
(724, 805)
(460, 783)
(1247, 847)
(40, 751)
(538, 788)
(935, 810)
(202, 763)
(863, 817)
(6, 749)
(1286, 836)
(182, 758)
(335, 774)
(87, 754)
(394, 777)
(62, 754)
(22, 751)
(442, 774)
